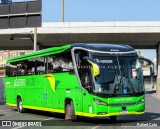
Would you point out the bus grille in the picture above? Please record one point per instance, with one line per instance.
(120, 105)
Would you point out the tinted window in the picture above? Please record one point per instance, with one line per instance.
(60, 62)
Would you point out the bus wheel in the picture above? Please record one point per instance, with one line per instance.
(70, 112)
(113, 118)
(20, 106)
(67, 112)
(73, 115)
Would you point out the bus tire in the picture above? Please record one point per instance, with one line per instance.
(70, 112)
(73, 115)
(20, 106)
(113, 118)
(67, 112)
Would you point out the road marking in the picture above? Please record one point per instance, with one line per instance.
(96, 126)
(26, 120)
(47, 119)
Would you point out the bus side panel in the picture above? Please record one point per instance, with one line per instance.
(50, 96)
(36, 91)
(66, 86)
(10, 91)
(23, 89)
(39, 93)
(8, 95)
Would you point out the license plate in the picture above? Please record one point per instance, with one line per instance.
(124, 112)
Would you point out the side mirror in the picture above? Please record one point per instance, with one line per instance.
(152, 69)
(95, 66)
(151, 64)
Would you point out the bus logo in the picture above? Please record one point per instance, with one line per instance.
(123, 100)
(19, 82)
(114, 50)
(51, 80)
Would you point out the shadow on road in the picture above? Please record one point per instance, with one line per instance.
(148, 116)
(83, 121)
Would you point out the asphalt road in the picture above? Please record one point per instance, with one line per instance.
(46, 118)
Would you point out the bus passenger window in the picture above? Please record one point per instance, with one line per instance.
(11, 70)
(21, 69)
(8, 71)
(30, 67)
(64, 64)
(40, 69)
(60, 63)
(50, 65)
(40, 65)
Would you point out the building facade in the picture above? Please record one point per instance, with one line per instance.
(5, 55)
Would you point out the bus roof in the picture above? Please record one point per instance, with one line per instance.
(105, 47)
(54, 50)
(40, 53)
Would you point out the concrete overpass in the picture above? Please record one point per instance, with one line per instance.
(141, 35)
(138, 34)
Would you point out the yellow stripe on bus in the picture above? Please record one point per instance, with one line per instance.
(44, 109)
(77, 113)
(110, 114)
(38, 108)
(12, 105)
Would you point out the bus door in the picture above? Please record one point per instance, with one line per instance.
(84, 71)
(86, 81)
(86, 92)
(87, 102)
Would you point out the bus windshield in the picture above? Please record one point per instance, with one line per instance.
(118, 75)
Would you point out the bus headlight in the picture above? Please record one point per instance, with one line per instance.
(141, 101)
(99, 102)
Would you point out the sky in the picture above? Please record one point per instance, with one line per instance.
(101, 10)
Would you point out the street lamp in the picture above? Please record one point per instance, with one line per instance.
(62, 10)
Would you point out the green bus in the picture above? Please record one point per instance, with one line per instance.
(92, 80)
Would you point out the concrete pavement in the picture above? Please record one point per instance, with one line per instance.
(156, 95)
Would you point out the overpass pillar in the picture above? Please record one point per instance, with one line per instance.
(158, 69)
(35, 39)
